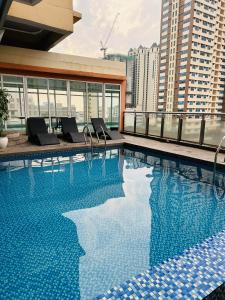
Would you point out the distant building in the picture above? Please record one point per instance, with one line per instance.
(144, 70)
(192, 57)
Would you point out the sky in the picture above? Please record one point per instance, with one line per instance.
(138, 24)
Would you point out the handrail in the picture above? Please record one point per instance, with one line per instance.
(216, 156)
(175, 113)
(214, 167)
(104, 136)
(85, 137)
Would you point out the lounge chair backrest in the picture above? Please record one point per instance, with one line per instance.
(35, 126)
(69, 125)
(98, 124)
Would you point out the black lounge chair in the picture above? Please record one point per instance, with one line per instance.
(99, 126)
(70, 131)
(37, 132)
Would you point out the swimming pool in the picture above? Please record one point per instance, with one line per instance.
(73, 225)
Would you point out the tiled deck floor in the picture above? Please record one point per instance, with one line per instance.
(199, 154)
(21, 146)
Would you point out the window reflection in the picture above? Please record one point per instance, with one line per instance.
(112, 104)
(78, 99)
(95, 96)
(49, 98)
(14, 86)
(37, 97)
(58, 98)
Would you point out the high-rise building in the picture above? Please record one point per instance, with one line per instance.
(144, 77)
(192, 57)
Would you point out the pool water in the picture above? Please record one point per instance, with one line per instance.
(73, 225)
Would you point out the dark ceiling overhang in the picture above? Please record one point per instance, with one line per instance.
(4, 8)
(29, 36)
(16, 32)
(29, 2)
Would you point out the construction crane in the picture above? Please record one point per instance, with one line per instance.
(104, 45)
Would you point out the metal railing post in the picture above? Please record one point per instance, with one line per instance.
(180, 127)
(123, 121)
(135, 122)
(162, 126)
(202, 131)
(147, 123)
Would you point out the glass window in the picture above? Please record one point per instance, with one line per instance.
(14, 86)
(58, 98)
(48, 98)
(112, 105)
(78, 101)
(37, 97)
(95, 96)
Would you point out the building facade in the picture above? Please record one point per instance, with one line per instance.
(192, 57)
(49, 84)
(129, 60)
(144, 72)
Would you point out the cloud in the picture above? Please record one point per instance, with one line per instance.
(138, 23)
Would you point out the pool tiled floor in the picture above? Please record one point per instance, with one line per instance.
(192, 275)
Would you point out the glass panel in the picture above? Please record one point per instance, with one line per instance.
(37, 97)
(78, 100)
(114, 87)
(94, 100)
(191, 129)
(12, 79)
(171, 126)
(43, 103)
(58, 85)
(77, 86)
(214, 130)
(112, 108)
(115, 109)
(58, 98)
(108, 108)
(95, 87)
(37, 83)
(33, 107)
(129, 122)
(140, 123)
(14, 86)
(155, 125)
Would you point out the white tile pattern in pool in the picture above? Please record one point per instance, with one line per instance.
(192, 275)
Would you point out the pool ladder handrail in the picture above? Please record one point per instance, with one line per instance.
(86, 127)
(103, 131)
(214, 166)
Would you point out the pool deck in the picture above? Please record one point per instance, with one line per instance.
(18, 146)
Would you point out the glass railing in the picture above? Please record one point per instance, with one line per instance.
(196, 128)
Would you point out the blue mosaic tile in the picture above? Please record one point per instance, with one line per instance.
(71, 228)
(192, 275)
